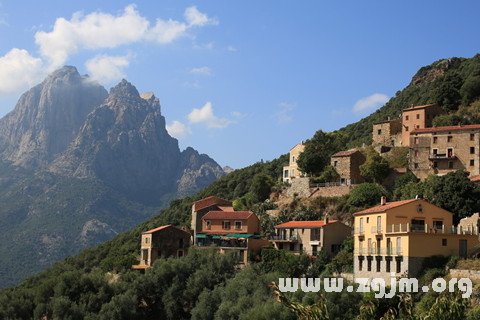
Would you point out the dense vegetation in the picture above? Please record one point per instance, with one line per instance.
(97, 284)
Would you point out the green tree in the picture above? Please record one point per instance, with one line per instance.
(447, 93)
(261, 187)
(366, 194)
(470, 89)
(375, 168)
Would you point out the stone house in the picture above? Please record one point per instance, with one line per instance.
(162, 242)
(440, 150)
(418, 117)
(311, 237)
(202, 207)
(398, 236)
(347, 165)
(291, 171)
(387, 134)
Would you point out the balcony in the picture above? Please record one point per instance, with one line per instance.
(441, 156)
(375, 251)
(425, 228)
(285, 238)
(377, 230)
(360, 231)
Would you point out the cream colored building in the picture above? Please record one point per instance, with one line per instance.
(291, 171)
(398, 237)
(310, 237)
(440, 150)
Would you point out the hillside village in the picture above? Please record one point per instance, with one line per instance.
(391, 236)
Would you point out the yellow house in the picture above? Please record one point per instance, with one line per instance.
(291, 171)
(398, 236)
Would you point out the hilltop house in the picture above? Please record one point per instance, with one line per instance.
(310, 236)
(202, 207)
(347, 165)
(231, 231)
(387, 134)
(418, 117)
(162, 242)
(398, 237)
(440, 150)
(291, 171)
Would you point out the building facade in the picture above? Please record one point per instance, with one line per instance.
(202, 207)
(310, 237)
(232, 231)
(291, 171)
(162, 242)
(347, 165)
(440, 150)
(398, 237)
(387, 134)
(418, 117)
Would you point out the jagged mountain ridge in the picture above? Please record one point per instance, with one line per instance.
(76, 170)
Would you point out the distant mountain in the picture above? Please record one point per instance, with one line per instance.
(79, 165)
(228, 169)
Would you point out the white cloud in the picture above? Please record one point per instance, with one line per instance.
(232, 49)
(284, 115)
(206, 71)
(98, 30)
(238, 115)
(178, 130)
(371, 102)
(106, 69)
(206, 116)
(19, 70)
(197, 18)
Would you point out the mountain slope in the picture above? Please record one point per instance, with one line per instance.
(78, 165)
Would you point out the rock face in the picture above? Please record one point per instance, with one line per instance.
(48, 117)
(79, 164)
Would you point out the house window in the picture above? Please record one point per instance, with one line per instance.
(444, 242)
(387, 265)
(416, 153)
(335, 163)
(379, 132)
(435, 139)
(406, 128)
(435, 164)
(472, 136)
(292, 246)
(406, 118)
(226, 225)
(415, 165)
(360, 264)
(293, 159)
(435, 151)
(209, 224)
(238, 225)
(450, 164)
(378, 265)
(472, 150)
(300, 247)
(314, 250)
(399, 246)
(450, 152)
(449, 139)
(437, 225)
(369, 264)
(415, 140)
(147, 240)
(472, 162)
(399, 266)
(418, 115)
(285, 174)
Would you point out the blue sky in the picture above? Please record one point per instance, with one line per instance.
(240, 81)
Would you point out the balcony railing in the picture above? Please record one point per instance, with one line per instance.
(360, 231)
(284, 238)
(375, 251)
(425, 228)
(441, 156)
(377, 229)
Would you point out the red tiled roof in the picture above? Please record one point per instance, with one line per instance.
(229, 209)
(304, 224)
(387, 206)
(475, 178)
(158, 229)
(210, 201)
(447, 128)
(345, 153)
(227, 215)
(419, 107)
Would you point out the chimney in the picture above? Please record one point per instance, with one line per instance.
(416, 197)
(383, 200)
(326, 218)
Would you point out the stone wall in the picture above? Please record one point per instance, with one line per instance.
(328, 192)
(474, 275)
(299, 187)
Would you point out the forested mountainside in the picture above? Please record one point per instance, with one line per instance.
(98, 283)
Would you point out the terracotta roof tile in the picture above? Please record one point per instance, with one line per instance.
(420, 107)
(228, 215)
(304, 224)
(158, 229)
(387, 206)
(210, 201)
(447, 128)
